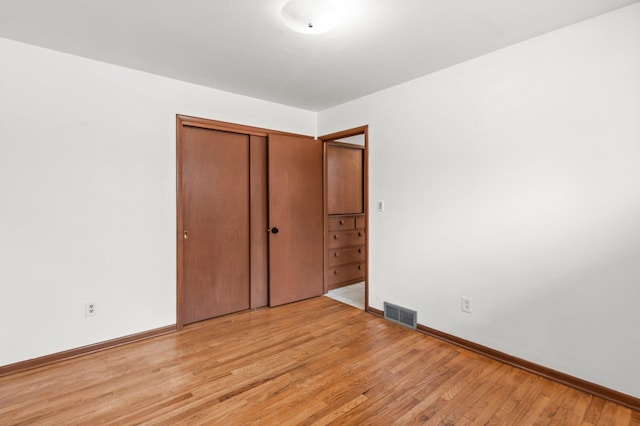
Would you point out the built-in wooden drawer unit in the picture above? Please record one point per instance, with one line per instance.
(345, 273)
(346, 250)
(339, 239)
(346, 255)
(342, 223)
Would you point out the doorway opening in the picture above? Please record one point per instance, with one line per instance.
(346, 216)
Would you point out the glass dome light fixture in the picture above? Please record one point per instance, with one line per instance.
(310, 16)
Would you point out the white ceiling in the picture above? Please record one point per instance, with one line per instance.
(242, 46)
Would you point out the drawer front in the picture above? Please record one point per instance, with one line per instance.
(345, 273)
(343, 256)
(360, 222)
(342, 223)
(346, 239)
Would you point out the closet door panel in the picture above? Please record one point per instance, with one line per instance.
(215, 188)
(295, 209)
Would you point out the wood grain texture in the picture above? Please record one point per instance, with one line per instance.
(345, 273)
(341, 223)
(339, 239)
(215, 190)
(338, 365)
(545, 372)
(295, 208)
(365, 222)
(259, 211)
(346, 251)
(83, 350)
(344, 179)
(346, 255)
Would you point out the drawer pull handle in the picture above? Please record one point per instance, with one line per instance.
(359, 234)
(359, 266)
(341, 222)
(335, 237)
(359, 250)
(336, 254)
(335, 272)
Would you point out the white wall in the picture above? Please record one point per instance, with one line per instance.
(87, 195)
(514, 179)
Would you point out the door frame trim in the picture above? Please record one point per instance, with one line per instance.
(203, 123)
(361, 130)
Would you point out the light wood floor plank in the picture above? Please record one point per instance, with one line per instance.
(313, 362)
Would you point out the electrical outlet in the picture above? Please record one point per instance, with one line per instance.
(466, 304)
(90, 309)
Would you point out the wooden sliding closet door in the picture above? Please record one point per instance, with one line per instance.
(216, 222)
(296, 218)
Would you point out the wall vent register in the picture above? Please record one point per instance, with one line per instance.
(400, 315)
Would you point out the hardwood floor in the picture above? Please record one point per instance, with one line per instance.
(312, 362)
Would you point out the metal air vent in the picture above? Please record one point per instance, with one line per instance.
(400, 315)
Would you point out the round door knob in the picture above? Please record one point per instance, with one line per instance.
(274, 230)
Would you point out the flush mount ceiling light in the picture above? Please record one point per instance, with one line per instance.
(310, 16)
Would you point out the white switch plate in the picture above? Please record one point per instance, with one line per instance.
(380, 205)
